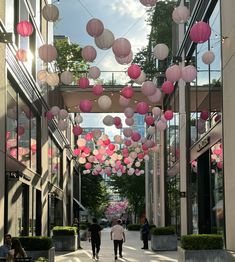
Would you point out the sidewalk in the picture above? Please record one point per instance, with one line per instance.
(132, 251)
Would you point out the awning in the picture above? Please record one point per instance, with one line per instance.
(81, 207)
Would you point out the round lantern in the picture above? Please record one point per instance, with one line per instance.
(105, 40)
(204, 115)
(62, 125)
(168, 114)
(127, 92)
(135, 136)
(124, 101)
(24, 28)
(77, 130)
(151, 130)
(148, 88)
(148, 2)
(97, 90)
(167, 87)
(108, 120)
(173, 73)
(83, 82)
(161, 125)
(121, 47)
(94, 27)
(89, 53)
(129, 121)
(189, 73)
(134, 71)
(47, 53)
(85, 106)
(94, 72)
(140, 80)
(50, 12)
(78, 119)
(117, 121)
(149, 120)
(208, 57)
(200, 32)
(21, 55)
(156, 111)
(180, 14)
(52, 79)
(125, 60)
(104, 102)
(55, 110)
(66, 77)
(129, 112)
(156, 97)
(142, 108)
(63, 114)
(127, 132)
(42, 75)
(49, 115)
(161, 51)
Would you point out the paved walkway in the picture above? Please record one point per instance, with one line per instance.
(132, 251)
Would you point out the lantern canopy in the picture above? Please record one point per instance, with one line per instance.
(47, 53)
(173, 73)
(180, 14)
(50, 12)
(189, 73)
(134, 71)
(208, 57)
(24, 28)
(200, 32)
(161, 51)
(66, 77)
(94, 72)
(89, 53)
(121, 47)
(148, 2)
(105, 40)
(94, 27)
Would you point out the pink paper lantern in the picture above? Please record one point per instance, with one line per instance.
(49, 115)
(189, 73)
(148, 88)
(85, 106)
(129, 121)
(88, 136)
(173, 73)
(20, 131)
(97, 90)
(124, 101)
(89, 53)
(161, 125)
(149, 120)
(127, 142)
(24, 28)
(200, 32)
(168, 114)
(77, 130)
(135, 136)
(94, 27)
(208, 57)
(88, 165)
(94, 72)
(142, 108)
(121, 47)
(125, 60)
(204, 115)
(127, 132)
(148, 2)
(180, 14)
(47, 53)
(167, 87)
(134, 71)
(220, 164)
(111, 147)
(156, 97)
(127, 92)
(129, 112)
(117, 121)
(21, 55)
(83, 82)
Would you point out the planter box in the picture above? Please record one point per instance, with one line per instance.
(48, 254)
(163, 242)
(65, 243)
(218, 255)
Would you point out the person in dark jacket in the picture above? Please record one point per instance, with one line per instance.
(94, 235)
(145, 233)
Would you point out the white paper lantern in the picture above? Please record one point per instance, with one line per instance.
(50, 12)
(52, 79)
(55, 110)
(42, 75)
(47, 53)
(94, 72)
(129, 112)
(140, 80)
(105, 40)
(208, 57)
(104, 102)
(161, 51)
(151, 130)
(108, 120)
(63, 114)
(125, 60)
(173, 73)
(189, 73)
(78, 119)
(156, 111)
(180, 14)
(118, 139)
(66, 77)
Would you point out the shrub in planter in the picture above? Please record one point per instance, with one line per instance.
(204, 247)
(64, 231)
(163, 238)
(133, 227)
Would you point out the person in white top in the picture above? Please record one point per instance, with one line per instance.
(118, 236)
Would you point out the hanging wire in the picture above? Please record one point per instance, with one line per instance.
(85, 8)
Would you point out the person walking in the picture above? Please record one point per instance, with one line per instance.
(118, 236)
(94, 236)
(145, 233)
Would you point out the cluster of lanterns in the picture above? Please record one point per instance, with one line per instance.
(61, 114)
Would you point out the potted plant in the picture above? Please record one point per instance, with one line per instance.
(38, 247)
(204, 247)
(163, 238)
(65, 238)
(133, 227)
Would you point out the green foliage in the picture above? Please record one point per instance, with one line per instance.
(202, 242)
(94, 194)
(163, 231)
(69, 58)
(36, 243)
(134, 227)
(64, 231)
(132, 188)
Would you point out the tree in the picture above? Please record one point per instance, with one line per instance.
(70, 58)
(132, 188)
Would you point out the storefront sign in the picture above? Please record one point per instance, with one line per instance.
(203, 143)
